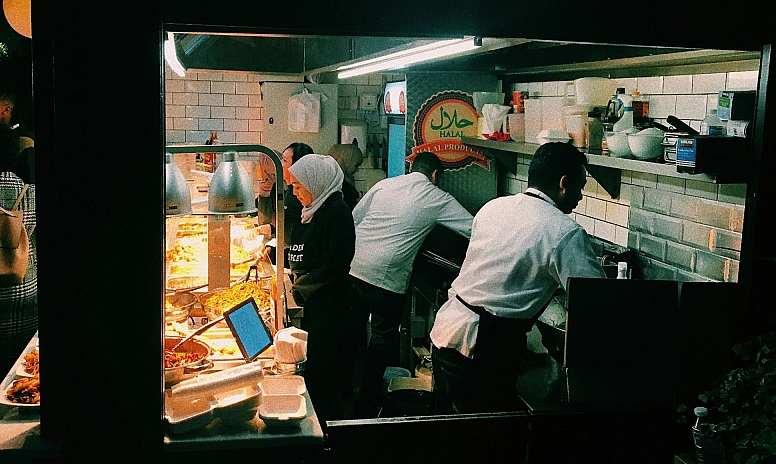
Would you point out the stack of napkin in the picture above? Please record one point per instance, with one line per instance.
(290, 345)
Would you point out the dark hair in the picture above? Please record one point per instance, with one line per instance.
(427, 162)
(553, 161)
(299, 149)
(9, 149)
(9, 97)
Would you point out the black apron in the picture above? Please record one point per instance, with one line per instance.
(499, 347)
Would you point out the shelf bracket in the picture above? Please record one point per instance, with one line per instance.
(609, 178)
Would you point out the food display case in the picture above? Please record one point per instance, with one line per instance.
(210, 256)
(212, 268)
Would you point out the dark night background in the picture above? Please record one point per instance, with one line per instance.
(16, 72)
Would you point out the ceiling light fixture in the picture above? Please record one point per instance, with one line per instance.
(435, 50)
(172, 57)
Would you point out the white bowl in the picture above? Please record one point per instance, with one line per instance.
(618, 144)
(647, 144)
(551, 135)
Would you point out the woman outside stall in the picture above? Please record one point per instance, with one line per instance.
(349, 157)
(321, 249)
(18, 303)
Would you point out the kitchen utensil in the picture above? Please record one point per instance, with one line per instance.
(197, 332)
(617, 142)
(681, 125)
(646, 144)
(663, 128)
(178, 373)
(178, 305)
(186, 283)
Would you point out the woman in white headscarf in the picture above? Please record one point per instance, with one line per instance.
(321, 250)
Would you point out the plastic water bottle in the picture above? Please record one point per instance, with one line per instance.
(708, 448)
(712, 125)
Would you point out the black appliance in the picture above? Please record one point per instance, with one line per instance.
(436, 266)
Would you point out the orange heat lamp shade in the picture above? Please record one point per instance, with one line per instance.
(19, 16)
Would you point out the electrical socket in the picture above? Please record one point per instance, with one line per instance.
(368, 102)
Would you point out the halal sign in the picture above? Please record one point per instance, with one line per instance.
(439, 125)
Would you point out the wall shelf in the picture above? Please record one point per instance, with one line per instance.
(607, 170)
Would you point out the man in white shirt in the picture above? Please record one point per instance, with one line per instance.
(522, 249)
(392, 220)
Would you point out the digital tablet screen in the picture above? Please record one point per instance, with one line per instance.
(249, 329)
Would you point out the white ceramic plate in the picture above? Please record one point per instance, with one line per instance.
(13, 375)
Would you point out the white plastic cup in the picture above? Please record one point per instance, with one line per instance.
(575, 126)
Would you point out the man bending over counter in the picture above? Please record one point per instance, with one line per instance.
(522, 249)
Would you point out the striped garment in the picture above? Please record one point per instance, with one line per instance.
(19, 303)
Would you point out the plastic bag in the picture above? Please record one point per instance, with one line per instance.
(304, 112)
(495, 116)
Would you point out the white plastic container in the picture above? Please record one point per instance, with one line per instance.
(282, 410)
(552, 135)
(283, 385)
(533, 119)
(233, 407)
(516, 126)
(594, 91)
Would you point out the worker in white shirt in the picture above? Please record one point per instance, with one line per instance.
(522, 249)
(392, 220)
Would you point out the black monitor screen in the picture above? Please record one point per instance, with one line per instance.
(252, 334)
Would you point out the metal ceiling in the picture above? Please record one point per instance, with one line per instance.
(312, 56)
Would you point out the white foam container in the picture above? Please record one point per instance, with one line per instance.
(282, 410)
(282, 385)
(233, 407)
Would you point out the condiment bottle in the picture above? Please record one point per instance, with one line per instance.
(640, 104)
(595, 131)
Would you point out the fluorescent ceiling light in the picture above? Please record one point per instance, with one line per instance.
(172, 57)
(443, 48)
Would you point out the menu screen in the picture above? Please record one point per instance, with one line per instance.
(248, 328)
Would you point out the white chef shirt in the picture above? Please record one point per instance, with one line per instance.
(392, 220)
(522, 249)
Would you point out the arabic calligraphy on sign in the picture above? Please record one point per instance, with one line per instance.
(439, 125)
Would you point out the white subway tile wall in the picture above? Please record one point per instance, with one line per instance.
(230, 103)
(692, 228)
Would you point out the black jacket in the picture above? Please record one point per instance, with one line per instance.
(321, 250)
(349, 194)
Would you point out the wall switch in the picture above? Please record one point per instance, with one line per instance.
(368, 101)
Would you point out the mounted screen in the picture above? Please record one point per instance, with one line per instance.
(395, 98)
(248, 327)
